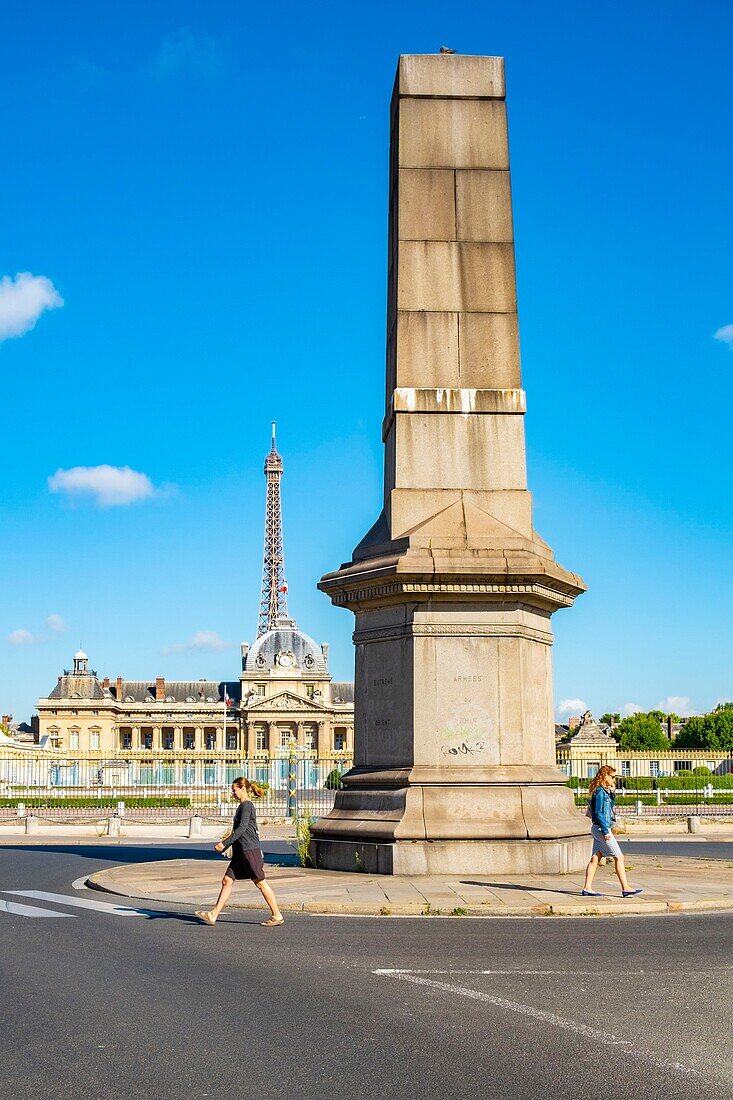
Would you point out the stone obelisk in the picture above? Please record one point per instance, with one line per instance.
(452, 588)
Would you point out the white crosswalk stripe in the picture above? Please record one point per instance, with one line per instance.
(16, 909)
(79, 903)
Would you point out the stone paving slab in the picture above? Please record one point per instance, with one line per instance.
(678, 885)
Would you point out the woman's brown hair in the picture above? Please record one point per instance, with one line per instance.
(251, 788)
(599, 778)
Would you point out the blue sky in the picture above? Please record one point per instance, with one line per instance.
(204, 186)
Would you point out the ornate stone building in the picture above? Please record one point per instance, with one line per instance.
(284, 694)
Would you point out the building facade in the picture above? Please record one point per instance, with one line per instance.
(589, 745)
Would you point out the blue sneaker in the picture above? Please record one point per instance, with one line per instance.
(629, 893)
(590, 894)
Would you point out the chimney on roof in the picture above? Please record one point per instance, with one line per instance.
(7, 719)
(105, 683)
(118, 689)
(160, 689)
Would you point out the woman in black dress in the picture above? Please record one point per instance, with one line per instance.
(247, 860)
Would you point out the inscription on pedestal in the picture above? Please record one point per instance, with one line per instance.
(468, 735)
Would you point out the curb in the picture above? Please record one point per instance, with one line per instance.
(616, 907)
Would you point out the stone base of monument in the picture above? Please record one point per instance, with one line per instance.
(408, 822)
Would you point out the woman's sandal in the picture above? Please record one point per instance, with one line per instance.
(204, 916)
(272, 923)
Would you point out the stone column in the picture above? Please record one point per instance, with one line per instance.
(452, 588)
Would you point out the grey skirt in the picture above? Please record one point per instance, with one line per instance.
(604, 847)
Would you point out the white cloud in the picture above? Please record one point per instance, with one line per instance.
(56, 623)
(106, 486)
(202, 639)
(186, 51)
(630, 708)
(676, 704)
(571, 706)
(21, 637)
(725, 335)
(23, 300)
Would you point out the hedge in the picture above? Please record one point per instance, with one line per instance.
(664, 782)
(622, 800)
(693, 782)
(85, 803)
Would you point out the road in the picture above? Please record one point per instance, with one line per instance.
(106, 1001)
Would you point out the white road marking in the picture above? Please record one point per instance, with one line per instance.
(568, 973)
(14, 907)
(79, 883)
(81, 903)
(562, 1022)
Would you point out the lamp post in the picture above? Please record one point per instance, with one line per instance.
(292, 779)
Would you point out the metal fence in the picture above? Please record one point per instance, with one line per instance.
(708, 801)
(164, 788)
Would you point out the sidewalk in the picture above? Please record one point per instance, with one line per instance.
(672, 885)
(627, 829)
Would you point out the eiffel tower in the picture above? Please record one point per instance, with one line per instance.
(274, 597)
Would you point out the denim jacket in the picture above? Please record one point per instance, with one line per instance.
(602, 809)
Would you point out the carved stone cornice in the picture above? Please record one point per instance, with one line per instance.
(396, 590)
(466, 630)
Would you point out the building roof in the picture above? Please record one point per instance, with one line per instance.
(283, 643)
(176, 691)
(589, 732)
(77, 687)
(342, 692)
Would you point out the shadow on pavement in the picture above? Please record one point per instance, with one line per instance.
(277, 853)
(518, 886)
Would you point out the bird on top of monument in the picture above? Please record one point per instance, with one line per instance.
(446, 49)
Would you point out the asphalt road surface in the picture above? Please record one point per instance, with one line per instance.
(100, 999)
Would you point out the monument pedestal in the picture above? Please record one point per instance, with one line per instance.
(452, 588)
(454, 741)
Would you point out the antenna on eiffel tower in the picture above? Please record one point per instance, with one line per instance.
(274, 597)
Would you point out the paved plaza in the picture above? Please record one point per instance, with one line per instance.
(669, 884)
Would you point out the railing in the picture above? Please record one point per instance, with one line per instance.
(146, 788)
(704, 801)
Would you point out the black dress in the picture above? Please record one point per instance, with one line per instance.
(247, 860)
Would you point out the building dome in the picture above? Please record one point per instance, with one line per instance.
(285, 649)
(80, 655)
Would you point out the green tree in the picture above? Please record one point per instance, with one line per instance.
(662, 716)
(333, 780)
(610, 719)
(639, 732)
(709, 731)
